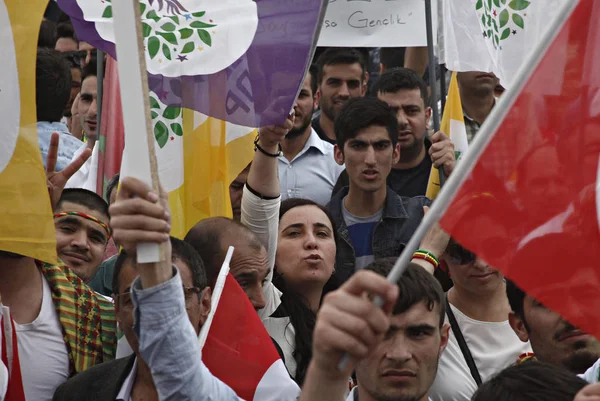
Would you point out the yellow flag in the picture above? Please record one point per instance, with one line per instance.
(214, 153)
(26, 224)
(453, 125)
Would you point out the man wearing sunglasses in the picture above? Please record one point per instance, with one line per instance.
(481, 341)
(130, 377)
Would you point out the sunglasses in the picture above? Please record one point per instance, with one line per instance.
(459, 255)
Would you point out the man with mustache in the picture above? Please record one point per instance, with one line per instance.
(306, 167)
(82, 231)
(553, 339)
(406, 93)
(341, 75)
(372, 220)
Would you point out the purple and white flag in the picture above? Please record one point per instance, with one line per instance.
(195, 48)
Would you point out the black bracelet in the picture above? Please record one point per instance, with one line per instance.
(264, 152)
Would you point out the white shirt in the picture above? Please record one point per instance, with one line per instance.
(281, 330)
(494, 346)
(125, 392)
(592, 375)
(312, 174)
(261, 216)
(43, 354)
(86, 176)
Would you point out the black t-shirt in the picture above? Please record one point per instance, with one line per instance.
(408, 183)
(316, 125)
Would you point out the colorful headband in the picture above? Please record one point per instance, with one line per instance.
(86, 216)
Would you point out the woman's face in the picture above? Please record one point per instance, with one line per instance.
(305, 248)
(476, 276)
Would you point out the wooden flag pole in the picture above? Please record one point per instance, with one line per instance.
(137, 120)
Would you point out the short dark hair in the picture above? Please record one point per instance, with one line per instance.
(186, 253)
(398, 79)
(65, 30)
(112, 185)
(83, 197)
(516, 298)
(531, 381)
(205, 237)
(312, 72)
(392, 57)
(416, 285)
(363, 112)
(179, 250)
(47, 35)
(340, 55)
(52, 85)
(90, 70)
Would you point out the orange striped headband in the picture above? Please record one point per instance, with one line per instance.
(86, 216)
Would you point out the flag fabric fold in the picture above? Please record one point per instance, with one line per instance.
(530, 205)
(240, 352)
(453, 125)
(494, 35)
(26, 226)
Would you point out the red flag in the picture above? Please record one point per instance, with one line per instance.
(530, 207)
(112, 135)
(240, 352)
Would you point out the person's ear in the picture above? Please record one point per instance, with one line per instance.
(205, 304)
(338, 155)
(518, 326)
(428, 117)
(318, 97)
(365, 84)
(396, 154)
(445, 335)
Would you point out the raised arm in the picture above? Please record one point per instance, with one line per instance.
(261, 200)
(167, 340)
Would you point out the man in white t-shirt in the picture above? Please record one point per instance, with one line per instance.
(397, 355)
(553, 339)
(479, 305)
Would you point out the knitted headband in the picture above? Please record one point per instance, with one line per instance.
(86, 216)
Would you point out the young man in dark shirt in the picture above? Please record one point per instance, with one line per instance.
(406, 93)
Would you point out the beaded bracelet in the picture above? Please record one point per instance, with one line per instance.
(426, 256)
(264, 152)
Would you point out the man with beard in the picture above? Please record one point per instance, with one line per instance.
(396, 355)
(341, 75)
(553, 339)
(307, 168)
(406, 93)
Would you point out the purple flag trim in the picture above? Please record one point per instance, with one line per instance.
(259, 88)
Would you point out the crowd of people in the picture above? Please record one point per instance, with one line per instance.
(328, 203)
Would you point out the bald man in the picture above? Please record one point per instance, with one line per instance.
(250, 263)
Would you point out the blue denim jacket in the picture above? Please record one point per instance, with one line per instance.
(401, 217)
(67, 146)
(168, 343)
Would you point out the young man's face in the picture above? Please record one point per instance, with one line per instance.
(369, 157)
(80, 242)
(412, 116)
(340, 82)
(88, 106)
(553, 339)
(404, 364)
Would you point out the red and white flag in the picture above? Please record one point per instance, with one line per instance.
(530, 206)
(240, 352)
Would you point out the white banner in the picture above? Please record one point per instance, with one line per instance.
(376, 23)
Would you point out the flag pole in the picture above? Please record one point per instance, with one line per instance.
(432, 77)
(216, 296)
(483, 137)
(137, 121)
